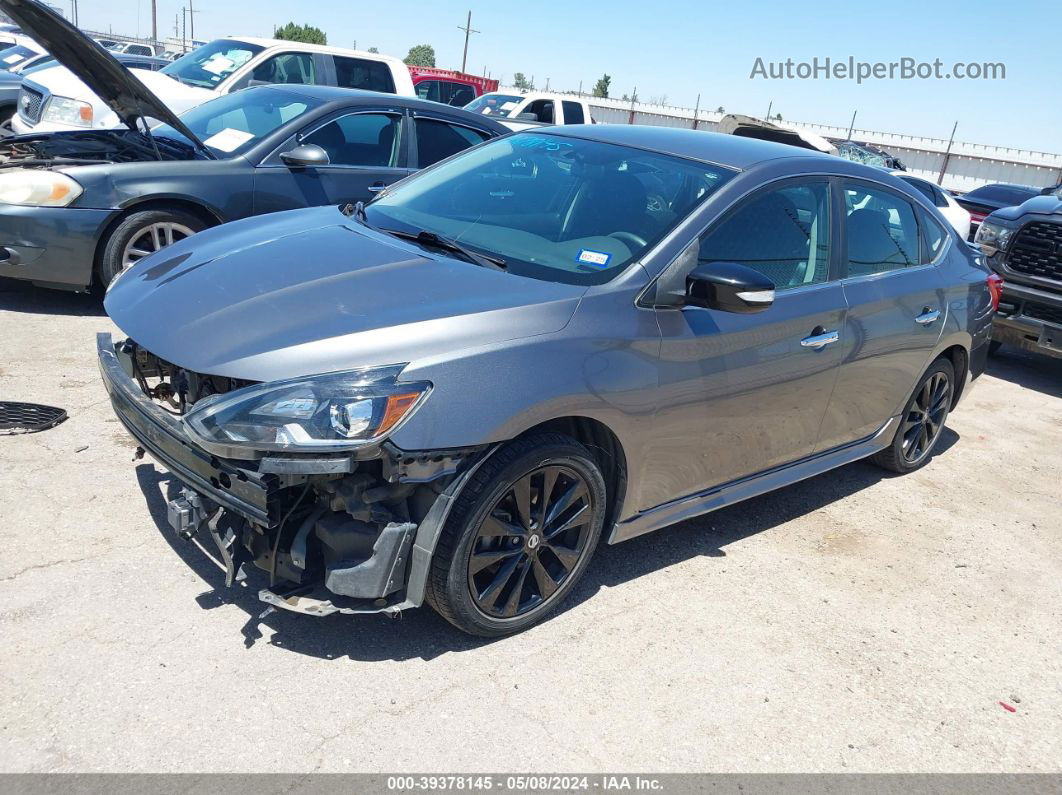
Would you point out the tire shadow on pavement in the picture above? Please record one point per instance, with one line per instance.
(1030, 370)
(425, 635)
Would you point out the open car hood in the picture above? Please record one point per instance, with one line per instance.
(751, 127)
(94, 66)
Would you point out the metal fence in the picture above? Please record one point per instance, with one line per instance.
(965, 166)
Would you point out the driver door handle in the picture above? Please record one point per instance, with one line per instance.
(376, 187)
(928, 316)
(820, 338)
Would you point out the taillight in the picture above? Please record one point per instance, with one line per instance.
(977, 217)
(995, 289)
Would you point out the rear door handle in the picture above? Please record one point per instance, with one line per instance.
(928, 316)
(820, 338)
(377, 187)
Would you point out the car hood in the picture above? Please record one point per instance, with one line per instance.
(115, 85)
(1040, 205)
(312, 291)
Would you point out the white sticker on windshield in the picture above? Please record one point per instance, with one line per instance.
(218, 65)
(13, 59)
(598, 259)
(509, 105)
(228, 140)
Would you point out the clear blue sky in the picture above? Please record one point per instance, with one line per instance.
(682, 49)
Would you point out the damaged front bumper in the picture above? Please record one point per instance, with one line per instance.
(336, 534)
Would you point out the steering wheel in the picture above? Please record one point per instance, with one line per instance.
(655, 203)
(630, 237)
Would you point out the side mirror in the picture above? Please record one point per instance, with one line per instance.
(305, 156)
(527, 116)
(729, 287)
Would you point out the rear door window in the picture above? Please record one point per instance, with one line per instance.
(437, 140)
(783, 233)
(364, 73)
(882, 231)
(573, 113)
(361, 139)
(933, 236)
(430, 90)
(460, 95)
(288, 67)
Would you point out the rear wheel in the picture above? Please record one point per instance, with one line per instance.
(519, 537)
(143, 233)
(922, 421)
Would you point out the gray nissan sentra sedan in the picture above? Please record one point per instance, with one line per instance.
(452, 393)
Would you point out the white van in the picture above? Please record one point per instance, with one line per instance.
(56, 100)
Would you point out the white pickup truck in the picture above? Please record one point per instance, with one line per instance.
(518, 111)
(54, 99)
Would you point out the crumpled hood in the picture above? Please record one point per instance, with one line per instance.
(312, 291)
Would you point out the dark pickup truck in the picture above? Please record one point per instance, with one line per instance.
(1023, 244)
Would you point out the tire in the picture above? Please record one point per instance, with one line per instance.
(522, 573)
(920, 429)
(137, 227)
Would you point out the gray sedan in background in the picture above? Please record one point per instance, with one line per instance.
(575, 333)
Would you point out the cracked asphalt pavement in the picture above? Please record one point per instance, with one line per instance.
(853, 622)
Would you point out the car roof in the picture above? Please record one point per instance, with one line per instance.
(303, 46)
(735, 151)
(348, 96)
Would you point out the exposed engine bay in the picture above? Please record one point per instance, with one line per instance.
(91, 146)
(335, 533)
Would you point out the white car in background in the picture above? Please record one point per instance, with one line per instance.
(56, 100)
(521, 111)
(957, 215)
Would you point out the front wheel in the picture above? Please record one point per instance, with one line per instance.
(142, 233)
(922, 421)
(519, 537)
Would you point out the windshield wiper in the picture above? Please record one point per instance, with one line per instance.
(426, 238)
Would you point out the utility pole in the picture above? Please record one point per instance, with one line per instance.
(184, 28)
(468, 32)
(696, 111)
(852, 125)
(191, 21)
(154, 20)
(947, 154)
(771, 105)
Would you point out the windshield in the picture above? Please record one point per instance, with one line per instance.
(553, 207)
(13, 56)
(495, 104)
(232, 124)
(209, 65)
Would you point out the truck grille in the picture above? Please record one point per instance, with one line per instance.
(30, 103)
(1049, 314)
(1037, 251)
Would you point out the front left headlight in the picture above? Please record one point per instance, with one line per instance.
(64, 110)
(316, 414)
(993, 236)
(38, 188)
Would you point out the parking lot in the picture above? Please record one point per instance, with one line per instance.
(853, 622)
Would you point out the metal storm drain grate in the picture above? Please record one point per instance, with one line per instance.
(28, 417)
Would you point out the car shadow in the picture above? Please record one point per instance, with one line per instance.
(20, 296)
(423, 634)
(1030, 370)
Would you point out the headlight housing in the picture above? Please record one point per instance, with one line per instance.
(64, 110)
(38, 188)
(993, 236)
(317, 414)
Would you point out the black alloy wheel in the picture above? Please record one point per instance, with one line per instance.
(925, 417)
(530, 542)
(519, 537)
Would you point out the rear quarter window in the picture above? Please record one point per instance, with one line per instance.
(363, 73)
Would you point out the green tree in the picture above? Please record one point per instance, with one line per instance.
(520, 81)
(720, 109)
(601, 87)
(304, 33)
(374, 49)
(421, 55)
(778, 117)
